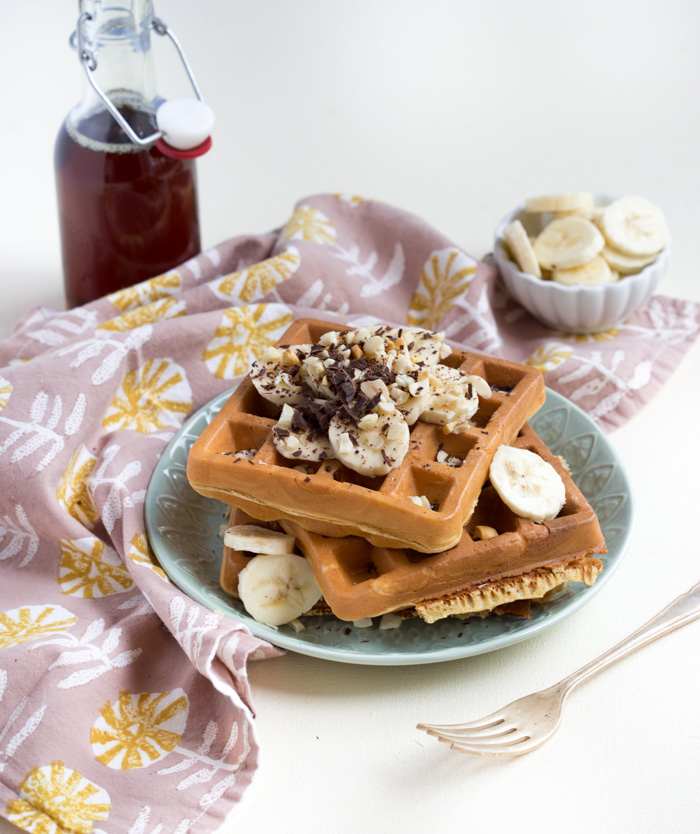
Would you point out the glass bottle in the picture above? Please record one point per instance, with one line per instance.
(127, 212)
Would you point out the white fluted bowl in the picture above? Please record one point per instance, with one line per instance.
(574, 309)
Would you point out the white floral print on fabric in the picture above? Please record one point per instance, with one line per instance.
(46, 425)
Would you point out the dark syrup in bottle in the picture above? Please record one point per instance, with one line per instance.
(125, 213)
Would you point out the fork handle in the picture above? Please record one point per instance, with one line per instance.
(680, 612)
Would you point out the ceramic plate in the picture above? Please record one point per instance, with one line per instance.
(183, 528)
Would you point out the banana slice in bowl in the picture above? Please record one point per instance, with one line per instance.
(600, 258)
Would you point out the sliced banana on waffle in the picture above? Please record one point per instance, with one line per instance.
(527, 484)
(374, 446)
(276, 374)
(294, 438)
(454, 395)
(252, 538)
(410, 394)
(276, 589)
(423, 347)
(635, 226)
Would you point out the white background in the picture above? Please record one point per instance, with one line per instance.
(455, 111)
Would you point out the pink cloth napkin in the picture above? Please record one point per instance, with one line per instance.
(124, 705)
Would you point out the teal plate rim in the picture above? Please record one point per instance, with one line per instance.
(183, 529)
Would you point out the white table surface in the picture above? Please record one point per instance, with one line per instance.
(455, 111)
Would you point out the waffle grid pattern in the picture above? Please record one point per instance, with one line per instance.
(235, 461)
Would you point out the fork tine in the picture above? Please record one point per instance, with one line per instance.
(484, 723)
(500, 731)
(516, 747)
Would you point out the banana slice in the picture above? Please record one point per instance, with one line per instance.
(626, 264)
(568, 242)
(526, 483)
(592, 274)
(578, 201)
(634, 226)
(276, 589)
(276, 374)
(521, 248)
(411, 393)
(255, 539)
(423, 347)
(294, 438)
(374, 446)
(454, 395)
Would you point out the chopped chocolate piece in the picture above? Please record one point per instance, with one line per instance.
(280, 432)
(296, 454)
(353, 440)
(387, 460)
(299, 420)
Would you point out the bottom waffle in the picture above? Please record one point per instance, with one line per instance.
(524, 561)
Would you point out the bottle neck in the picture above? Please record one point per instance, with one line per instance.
(118, 34)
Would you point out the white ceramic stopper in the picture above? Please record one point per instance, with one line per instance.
(185, 122)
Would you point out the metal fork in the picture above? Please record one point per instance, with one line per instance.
(526, 724)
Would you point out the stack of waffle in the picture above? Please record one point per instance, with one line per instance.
(430, 537)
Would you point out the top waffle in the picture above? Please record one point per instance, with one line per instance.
(421, 503)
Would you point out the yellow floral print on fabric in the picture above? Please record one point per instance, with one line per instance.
(257, 280)
(162, 286)
(549, 356)
(5, 392)
(353, 199)
(55, 799)
(165, 308)
(89, 569)
(152, 397)
(141, 554)
(242, 336)
(586, 338)
(139, 729)
(30, 622)
(445, 276)
(72, 492)
(308, 223)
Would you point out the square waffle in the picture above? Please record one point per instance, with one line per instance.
(235, 461)
(525, 560)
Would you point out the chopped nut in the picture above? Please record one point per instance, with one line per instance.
(356, 352)
(369, 421)
(483, 532)
(290, 358)
(448, 428)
